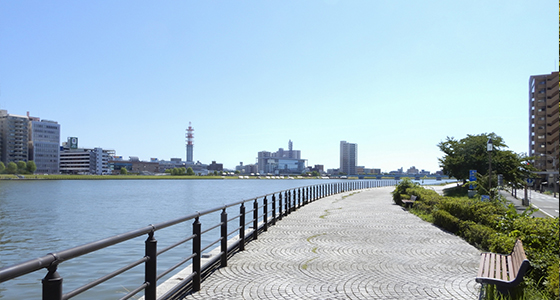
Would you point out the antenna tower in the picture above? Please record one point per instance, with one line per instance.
(190, 136)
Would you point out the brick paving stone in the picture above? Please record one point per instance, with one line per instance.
(354, 245)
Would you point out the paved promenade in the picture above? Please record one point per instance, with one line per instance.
(355, 245)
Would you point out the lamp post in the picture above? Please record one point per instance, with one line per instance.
(489, 149)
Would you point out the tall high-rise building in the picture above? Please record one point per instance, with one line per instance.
(190, 138)
(543, 123)
(348, 157)
(44, 145)
(14, 130)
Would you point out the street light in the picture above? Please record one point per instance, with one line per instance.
(489, 149)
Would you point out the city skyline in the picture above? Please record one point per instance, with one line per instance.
(396, 78)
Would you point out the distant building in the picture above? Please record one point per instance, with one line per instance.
(170, 164)
(372, 171)
(14, 131)
(412, 170)
(348, 158)
(74, 160)
(281, 162)
(360, 170)
(247, 169)
(543, 123)
(318, 168)
(215, 167)
(145, 167)
(333, 171)
(44, 145)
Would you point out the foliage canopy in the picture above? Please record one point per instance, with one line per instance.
(470, 153)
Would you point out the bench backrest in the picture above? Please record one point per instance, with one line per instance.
(413, 198)
(518, 258)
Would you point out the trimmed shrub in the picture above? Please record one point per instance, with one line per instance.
(501, 243)
(446, 220)
(477, 234)
(401, 188)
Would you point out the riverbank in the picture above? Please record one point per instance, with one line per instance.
(173, 177)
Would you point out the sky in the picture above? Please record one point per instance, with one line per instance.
(395, 77)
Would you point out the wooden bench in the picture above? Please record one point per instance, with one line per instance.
(408, 203)
(505, 271)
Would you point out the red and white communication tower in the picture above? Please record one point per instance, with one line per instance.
(189, 135)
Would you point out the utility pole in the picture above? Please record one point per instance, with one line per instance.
(489, 149)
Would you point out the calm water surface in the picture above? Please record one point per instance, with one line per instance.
(39, 217)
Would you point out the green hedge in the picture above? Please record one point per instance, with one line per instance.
(491, 226)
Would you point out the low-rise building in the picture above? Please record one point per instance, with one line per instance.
(74, 160)
(281, 162)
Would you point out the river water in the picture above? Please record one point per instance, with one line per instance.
(39, 217)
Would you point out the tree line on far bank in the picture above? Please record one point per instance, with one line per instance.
(21, 167)
(180, 171)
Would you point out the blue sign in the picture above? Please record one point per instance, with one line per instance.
(485, 198)
(472, 178)
(472, 175)
(530, 181)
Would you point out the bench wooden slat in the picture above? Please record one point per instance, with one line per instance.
(503, 267)
(492, 267)
(482, 265)
(510, 271)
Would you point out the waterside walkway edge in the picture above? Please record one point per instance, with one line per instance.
(354, 245)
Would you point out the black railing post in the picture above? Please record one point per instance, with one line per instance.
(52, 284)
(150, 274)
(280, 206)
(242, 227)
(265, 214)
(197, 255)
(293, 200)
(299, 197)
(255, 219)
(315, 193)
(273, 209)
(224, 235)
(287, 203)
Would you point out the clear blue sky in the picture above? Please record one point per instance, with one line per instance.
(395, 77)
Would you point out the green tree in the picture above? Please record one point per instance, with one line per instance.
(190, 171)
(31, 166)
(471, 153)
(174, 171)
(11, 168)
(2, 167)
(21, 166)
(237, 172)
(124, 171)
(315, 173)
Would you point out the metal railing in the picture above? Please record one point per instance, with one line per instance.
(272, 207)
